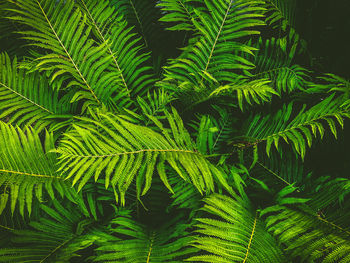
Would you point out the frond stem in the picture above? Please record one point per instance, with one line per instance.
(30, 174)
(108, 47)
(23, 97)
(150, 247)
(251, 237)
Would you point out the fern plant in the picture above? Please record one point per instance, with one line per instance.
(167, 131)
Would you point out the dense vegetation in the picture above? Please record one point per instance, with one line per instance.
(169, 131)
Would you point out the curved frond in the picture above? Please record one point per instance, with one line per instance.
(56, 237)
(122, 150)
(73, 56)
(133, 242)
(26, 98)
(299, 130)
(235, 234)
(26, 168)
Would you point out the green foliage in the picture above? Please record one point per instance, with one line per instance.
(238, 235)
(168, 131)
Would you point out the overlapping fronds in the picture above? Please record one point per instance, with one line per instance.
(308, 237)
(214, 59)
(300, 129)
(274, 61)
(26, 98)
(235, 234)
(72, 55)
(133, 242)
(56, 237)
(26, 168)
(122, 150)
(122, 44)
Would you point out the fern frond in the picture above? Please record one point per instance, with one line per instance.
(181, 13)
(299, 130)
(26, 98)
(122, 150)
(73, 56)
(235, 234)
(56, 237)
(307, 237)
(122, 45)
(280, 13)
(274, 61)
(133, 242)
(215, 56)
(26, 169)
(255, 90)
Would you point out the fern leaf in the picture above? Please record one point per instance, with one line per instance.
(72, 55)
(122, 150)
(300, 130)
(130, 241)
(26, 98)
(26, 168)
(56, 237)
(122, 45)
(234, 235)
(214, 58)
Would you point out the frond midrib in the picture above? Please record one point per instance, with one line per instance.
(29, 174)
(25, 98)
(108, 47)
(131, 153)
(66, 51)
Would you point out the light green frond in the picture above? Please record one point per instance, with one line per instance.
(133, 242)
(123, 46)
(235, 234)
(72, 55)
(122, 151)
(215, 56)
(256, 91)
(56, 237)
(308, 237)
(298, 130)
(27, 98)
(26, 169)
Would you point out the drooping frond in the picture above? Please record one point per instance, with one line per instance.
(235, 234)
(56, 237)
(308, 237)
(330, 83)
(122, 45)
(72, 55)
(26, 168)
(121, 150)
(26, 98)
(297, 130)
(130, 241)
(214, 58)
